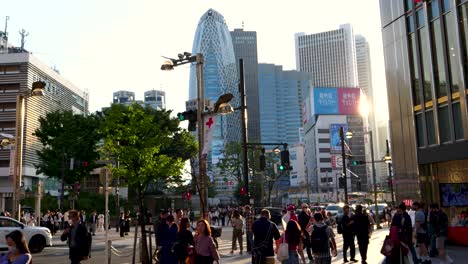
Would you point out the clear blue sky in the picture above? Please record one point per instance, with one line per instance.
(109, 45)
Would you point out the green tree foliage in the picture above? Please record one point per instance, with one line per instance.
(150, 147)
(231, 163)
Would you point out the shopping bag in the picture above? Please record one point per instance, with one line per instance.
(283, 251)
(387, 246)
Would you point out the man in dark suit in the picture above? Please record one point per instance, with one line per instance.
(361, 229)
(76, 235)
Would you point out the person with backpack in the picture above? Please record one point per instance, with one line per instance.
(79, 240)
(304, 219)
(345, 228)
(361, 229)
(321, 239)
(439, 222)
(264, 232)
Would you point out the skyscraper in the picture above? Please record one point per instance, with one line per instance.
(426, 64)
(155, 99)
(245, 47)
(280, 102)
(213, 40)
(330, 56)
(123, 97)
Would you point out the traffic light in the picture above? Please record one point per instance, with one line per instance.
(285, 158)
(358, 162)
(77, 187)
(341, 182)
(188, 196)
(242, 191)
(85, 164)
(281, 167)
(191, 116)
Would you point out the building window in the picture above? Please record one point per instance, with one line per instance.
(426, 66)
(414, 70)
(438, 59)
(434, 10)
(323, 131)
(323, 140)
(464, 37)
(457, 120)
(325, 160)
(444, 124)
(325, 169)
(431, 139)
(419, 129)
(408, 5)
(451, 53)
(324, 150)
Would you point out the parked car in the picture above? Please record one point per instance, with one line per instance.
(381, 208)
(36, 237)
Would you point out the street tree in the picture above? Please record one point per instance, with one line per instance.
(69, 146)
(150, 147)
(230, 164)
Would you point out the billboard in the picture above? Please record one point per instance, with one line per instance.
(336, 101)
(335, 140)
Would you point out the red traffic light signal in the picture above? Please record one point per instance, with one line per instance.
(188, 196)
(242, 191)
(85, 164)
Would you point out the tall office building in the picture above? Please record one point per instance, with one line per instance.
(281, 102)
(213, 40)
(18, 71)
(245, 47)
(426, 64)
(330, 56)
(155, 99)
(363, 63)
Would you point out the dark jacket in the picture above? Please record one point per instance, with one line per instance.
(185, 238)
(260, 231)
(80, 248)
(345, 223)
(303, 220)
(361, 225)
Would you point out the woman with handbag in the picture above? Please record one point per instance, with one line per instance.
(205, 248)
(183, 246)
(292, 241)
(237, 231)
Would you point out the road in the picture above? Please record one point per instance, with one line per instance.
(58, 254)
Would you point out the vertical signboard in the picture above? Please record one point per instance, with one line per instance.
(335, 140)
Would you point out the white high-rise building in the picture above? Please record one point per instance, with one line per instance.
(330, 56)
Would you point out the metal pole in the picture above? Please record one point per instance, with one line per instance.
(343, 157)
(390, 176)
(375, 180)
(17, 179)
(106, 226)
(245, 162)
(203, 192)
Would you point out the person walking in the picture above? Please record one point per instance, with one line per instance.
(439, 221)
(345, 227)
(303, 220)
(184, 241)
(293, 237)
(168, 239)
(421, 233)
(122, 224)
(93, 222)
(76, 235)
(361, 229)
(249, 220)
(400, 233)
(264, 232)
(237, 231)
(205, 248)
(322, 240)
(18, 251)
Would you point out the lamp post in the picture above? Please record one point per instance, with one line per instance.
(36, 90)
(245, 162)
(369, 132)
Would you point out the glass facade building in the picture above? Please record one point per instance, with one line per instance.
(213, 40)
(426, 59)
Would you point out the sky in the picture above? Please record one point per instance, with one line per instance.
(103, 46)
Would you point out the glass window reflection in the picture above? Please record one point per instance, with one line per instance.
(420, 129)
(457, 120)
(414, 71)
(464, 37)
(431, 139)
(434, 11)
(444, 124)
(451, 51)
(438, 59)
(426, 66)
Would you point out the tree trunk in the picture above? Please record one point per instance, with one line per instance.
(144, 257)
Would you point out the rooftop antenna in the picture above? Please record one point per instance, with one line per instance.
(243, 24)
(23, 34)
(5, 34)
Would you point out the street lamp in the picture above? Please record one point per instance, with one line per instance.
(369, 132)
(37, 89)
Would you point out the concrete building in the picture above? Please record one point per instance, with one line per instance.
(155, 99)
(426, 64)
(245, 47)
(123, 97)
(17, 73)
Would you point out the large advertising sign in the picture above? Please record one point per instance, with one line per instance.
(348, 101)
(335, 140)
(325, 101)
(336, 101)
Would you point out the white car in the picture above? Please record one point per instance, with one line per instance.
(36, 237)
